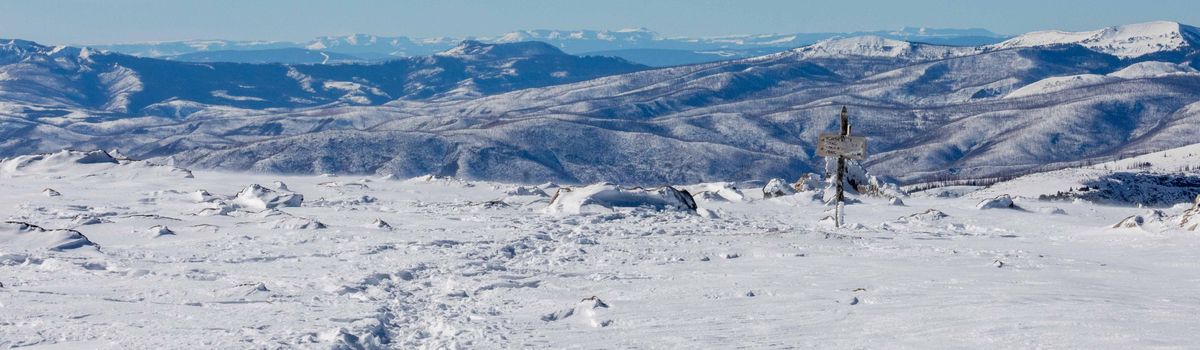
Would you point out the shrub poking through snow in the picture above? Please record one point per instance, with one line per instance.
(810, 182)
(1138, 221)
(999, 202)
(777, 188)
(380, 224)
(260, 198)
(159, 231)
(574, 200)
(1190, 220)
(526, 191)
(587, 312)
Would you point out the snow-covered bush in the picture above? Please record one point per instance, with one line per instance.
(999, 202)
(777, 188)
(1138, 221)
(257, 197)
(1190, 220)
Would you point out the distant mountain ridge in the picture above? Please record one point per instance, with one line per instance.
(670, 50)
(81, 78)
(930, 111)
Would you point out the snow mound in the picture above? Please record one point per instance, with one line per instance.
(526, 191)
(284, 221)
(587, 311)
(260, 198)
(201, 196)
(1140, 221)
(50, 192)
(20, 236)
(717, 191)
(576, 200)
(777, 188)
(930, 215)
(999, 202)
(1052, 211)
(159, 231)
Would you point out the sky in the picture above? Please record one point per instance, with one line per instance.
(122, 21)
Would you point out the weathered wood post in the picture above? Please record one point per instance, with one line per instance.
(844, 147)
(841, 167)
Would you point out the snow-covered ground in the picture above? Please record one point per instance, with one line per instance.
(207, 260)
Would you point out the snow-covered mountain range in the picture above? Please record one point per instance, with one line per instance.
(931, 112)
(86, 80)
(638, 45)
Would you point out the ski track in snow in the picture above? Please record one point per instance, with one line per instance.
(458, 269)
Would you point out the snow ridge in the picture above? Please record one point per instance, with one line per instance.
(1127, 41)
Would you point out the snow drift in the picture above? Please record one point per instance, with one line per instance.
(576, 200)
(20, 236)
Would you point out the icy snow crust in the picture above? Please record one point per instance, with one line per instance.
(377, 262)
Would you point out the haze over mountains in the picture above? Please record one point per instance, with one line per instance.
(527, 112)
(637, 45)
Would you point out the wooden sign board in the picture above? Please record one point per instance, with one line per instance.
(834, 145)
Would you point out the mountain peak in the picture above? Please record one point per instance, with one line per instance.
(477, 50)
(1126, 41)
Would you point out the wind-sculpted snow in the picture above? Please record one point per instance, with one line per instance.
(379, 262)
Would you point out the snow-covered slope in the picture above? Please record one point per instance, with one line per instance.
(1127, 41)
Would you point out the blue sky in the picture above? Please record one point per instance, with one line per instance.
(109, 21)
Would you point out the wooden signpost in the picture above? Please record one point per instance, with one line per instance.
(843, 146)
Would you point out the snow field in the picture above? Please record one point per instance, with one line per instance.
(483, 265)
